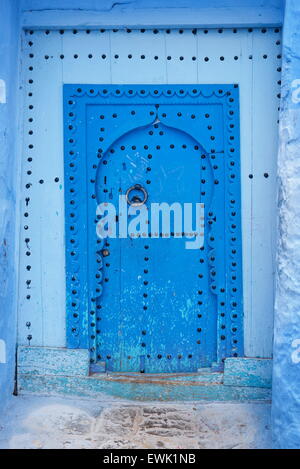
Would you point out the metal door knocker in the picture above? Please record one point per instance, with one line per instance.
(136, 200)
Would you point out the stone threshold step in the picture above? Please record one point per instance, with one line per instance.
(48, 370)
(106, 387)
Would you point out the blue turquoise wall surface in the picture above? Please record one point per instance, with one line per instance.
(286, 375)
(8, 177)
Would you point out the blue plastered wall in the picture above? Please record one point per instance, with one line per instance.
(9, 18)
(286, 373)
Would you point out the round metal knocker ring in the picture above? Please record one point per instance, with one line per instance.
(135, 201)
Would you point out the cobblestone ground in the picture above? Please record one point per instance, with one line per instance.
(40, 422)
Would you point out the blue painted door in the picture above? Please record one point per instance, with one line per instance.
(152, 303)
(157, 306)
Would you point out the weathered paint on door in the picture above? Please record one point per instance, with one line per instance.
(147, 303)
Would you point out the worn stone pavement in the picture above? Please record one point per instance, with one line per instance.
(51, 422)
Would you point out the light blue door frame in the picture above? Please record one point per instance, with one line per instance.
(147, 56)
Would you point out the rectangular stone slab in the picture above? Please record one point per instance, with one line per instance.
(253, 372)
(53, 361)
